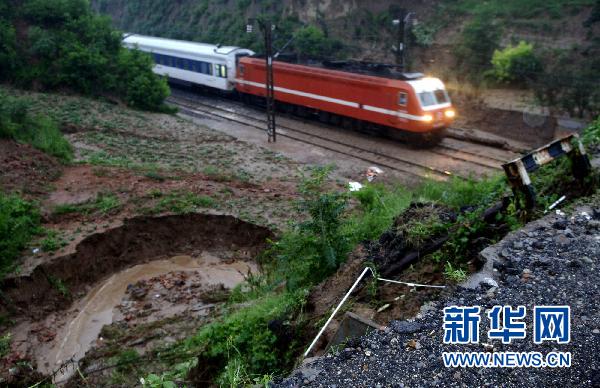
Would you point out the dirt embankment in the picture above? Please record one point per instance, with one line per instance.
(25, 169)
(51, 285)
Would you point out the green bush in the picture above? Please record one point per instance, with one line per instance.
(515, 63)
(591, 135)
(39, 131)
(313, 249)
(66, 45)
(245, 334)
(19, 223)
(477, 42)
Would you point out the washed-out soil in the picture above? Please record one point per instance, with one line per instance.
(26, 169)
(531, 129)
(137, 240)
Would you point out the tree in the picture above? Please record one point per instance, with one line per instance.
(66, 45)
(479, 39)
(515, 63)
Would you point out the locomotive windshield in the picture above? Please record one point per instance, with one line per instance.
(434, 97)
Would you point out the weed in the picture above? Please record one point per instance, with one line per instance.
(126, 360)
(59, 285)
(19, 223)
(17, 123)
(105, 203)
(155, 175)
(182, 203)
(5, 341)
(53, 241)
(455, 274)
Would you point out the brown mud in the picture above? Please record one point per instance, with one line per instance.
(51, 285)
(25, 169)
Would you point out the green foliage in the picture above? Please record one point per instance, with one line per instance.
(313, 249)
(311, 41)
(182, 203)
(53, 241)
(479, 38)
(126, 360)
(140, 88)
(104, 203)
(591, 135)
(59, 285)
(245, 335)
(515, 63)
(66, 45)
(5, 341)
(378, 208)
(39, 131)
(458, 192)
(455, 274)
(569, 81)
(19, 223)
(424, 34)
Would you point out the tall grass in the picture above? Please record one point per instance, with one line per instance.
(17, 123)
(19, 223)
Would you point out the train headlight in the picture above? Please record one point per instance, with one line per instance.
(450, 113)
(428, 118)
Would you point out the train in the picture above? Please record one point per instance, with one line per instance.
(351, 94)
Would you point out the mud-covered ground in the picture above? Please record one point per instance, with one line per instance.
(552, 261)
(131, 165)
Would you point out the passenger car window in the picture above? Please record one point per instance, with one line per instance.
(402, 98)
(221, 71)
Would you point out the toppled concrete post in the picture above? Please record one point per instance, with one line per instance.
(352, 326)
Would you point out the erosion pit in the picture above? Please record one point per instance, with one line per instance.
(147, 269)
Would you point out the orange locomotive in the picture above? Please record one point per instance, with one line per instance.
(411, 106)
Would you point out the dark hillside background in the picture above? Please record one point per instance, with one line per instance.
(453, 39)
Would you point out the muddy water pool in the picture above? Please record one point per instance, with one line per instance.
(77, 329)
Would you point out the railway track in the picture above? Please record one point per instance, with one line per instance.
(451, 158)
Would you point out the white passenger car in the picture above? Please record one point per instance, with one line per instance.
(196, 63)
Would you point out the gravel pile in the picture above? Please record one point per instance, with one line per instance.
(552, 261)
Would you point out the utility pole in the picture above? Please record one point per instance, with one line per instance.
(267, 29)
(400, 38)
(405, 19)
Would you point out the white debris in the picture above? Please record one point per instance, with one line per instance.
(355, 186)
(560, 213)
(372, 173)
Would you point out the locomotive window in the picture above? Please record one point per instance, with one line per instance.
(179, 63)
(441, 96)
(427, 98)
(242, 69)
(402, 98)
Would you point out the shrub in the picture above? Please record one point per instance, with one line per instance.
(591, 135)
(479, 38)
(245, 335)
(19, 222)
(68, 46)
(39, 131)
(313, 249)
(515, 63)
